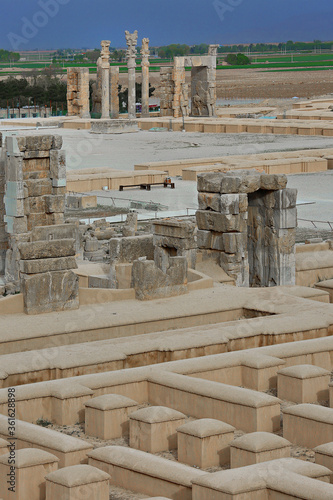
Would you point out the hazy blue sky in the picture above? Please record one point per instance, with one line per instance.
(84, 23)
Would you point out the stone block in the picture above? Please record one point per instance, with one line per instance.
(285, 198)
(47, 249)
(28, 471)
(36, 219)
(153, 429)
(56, 142)
(205, 443)
(51, 291)
(273, 182)
(173, 242)
(15, 190)
(235, 243)
(77, 482)
(91, 245)
(57, 165)
(55, 219)
(36, 143)
(38, 187)
(303, 383)
(36, 154)
(54, 204)
(209, 182)
(308, 425)
(14, 207)
(107, 416)
(16, 225)
(35, 205)
(174, 228)
(59, 186)
(57, 232)
(212, 221)
(285, 218)
(131, 248)
(44, 265)
(204, 239)
(14, 169)
(258, 447)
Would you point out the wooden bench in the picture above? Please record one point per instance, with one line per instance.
(148, 186)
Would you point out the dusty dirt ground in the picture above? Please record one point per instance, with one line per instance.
(263, 84)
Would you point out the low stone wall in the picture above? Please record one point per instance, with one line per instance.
(69, 450)
(145, 473)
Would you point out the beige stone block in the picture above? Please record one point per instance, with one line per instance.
(153, 429)
(47, 249)
(38, 187)
(204, 443)
(77, 482)
(107, 416)
(68, 403)
(308, 425)
(54, 204)
(37, 219)
(26, 474)
(303, 383)
(258, 447)
(44, 265)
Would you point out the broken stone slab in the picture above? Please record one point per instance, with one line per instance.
(235, 243)
(173, 242)
(14, 169)
(285, 198)
(47, 249)
(50, 291)
(44, 265)
(131, 248)
(174, 228)
(213, 221)
(237, 181)
(36, 154)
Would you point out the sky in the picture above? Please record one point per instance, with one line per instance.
(53, 24)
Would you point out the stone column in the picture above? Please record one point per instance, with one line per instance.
(178, 76)
(212, 52)
(145, 78)
(131, 40)
(105, 55)
(114, 97)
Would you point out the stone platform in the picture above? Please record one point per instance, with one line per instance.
(115, 126)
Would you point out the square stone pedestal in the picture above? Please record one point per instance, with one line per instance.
(106, 416)
(27, 475)
(76, 482)
(303, 383)
(257, 447)
(205, 443)
(153, 429)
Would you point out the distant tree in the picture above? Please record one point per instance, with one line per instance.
(237, 60)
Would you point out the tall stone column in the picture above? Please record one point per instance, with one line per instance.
(105, 66)
(211, 101)
(131, 41)
(145, 78)
(114, 97)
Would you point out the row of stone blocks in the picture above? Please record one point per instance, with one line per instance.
(202, 443)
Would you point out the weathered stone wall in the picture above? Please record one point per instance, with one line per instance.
(174, 237)
(78, 92)
(166, 101)
(35, 187)
(246, 223)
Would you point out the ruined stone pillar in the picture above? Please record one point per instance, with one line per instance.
(78, 92)
(212, 52)
(114, 97)
(131, 40)
(105, 55)
(145, 78)
(178, 77)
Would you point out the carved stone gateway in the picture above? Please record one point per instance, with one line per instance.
(131, 41)
(174, 89)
